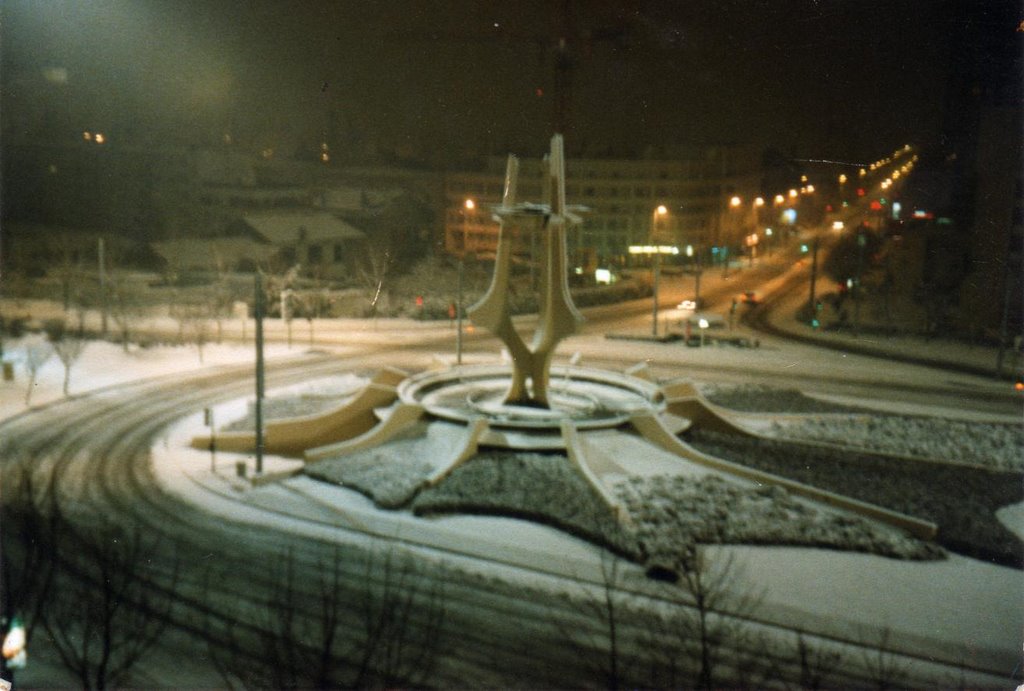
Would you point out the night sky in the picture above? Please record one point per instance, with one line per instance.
(839, 79)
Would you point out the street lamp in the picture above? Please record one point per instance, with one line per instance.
(468, 206)
(655, 238)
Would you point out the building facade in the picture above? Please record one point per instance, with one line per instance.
(621, 196)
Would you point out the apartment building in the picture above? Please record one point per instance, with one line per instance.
(621, 196)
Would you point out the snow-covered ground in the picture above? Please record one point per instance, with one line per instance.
(951, 605)
(911, 597)
(102, 364)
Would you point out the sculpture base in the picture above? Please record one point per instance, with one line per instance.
(589, 398)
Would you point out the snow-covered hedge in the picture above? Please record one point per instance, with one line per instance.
(761, 398)
(390, 474)
(315, 397)
(993, 445)
(674, 513)
(669, 515)
(540, 487)
(961, 500)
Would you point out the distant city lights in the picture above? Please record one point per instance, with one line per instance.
(653, 249)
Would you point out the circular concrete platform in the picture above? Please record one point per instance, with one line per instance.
(588, 398)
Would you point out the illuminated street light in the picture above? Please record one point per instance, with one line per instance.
(810, 189)
(842, 179)
(661, 210)
(759, 201)
(779, 199)
(735, 201)
(470, 204)
(793, 194)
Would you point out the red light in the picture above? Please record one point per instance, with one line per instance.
(860, 192)
(876, 205)
(828, 208)
(419, 301)
(1019, 386)
(539, 91)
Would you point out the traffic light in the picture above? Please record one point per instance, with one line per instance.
(804, 249)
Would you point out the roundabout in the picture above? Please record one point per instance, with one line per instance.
(565, 444)
(584, 397)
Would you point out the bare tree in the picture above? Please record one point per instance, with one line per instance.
(69, 347)
(597, 641)
(193, 324)
(109, 609)
(309, 304)
(403, 617)
(220, 298)
(373, 270)
(816, 663)
(376, 627)
(29, 526)
(36, 355)
(706, 643)
(884, 666)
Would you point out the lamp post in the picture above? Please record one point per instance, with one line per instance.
(734, 204)
(468, 206)
(660, 211)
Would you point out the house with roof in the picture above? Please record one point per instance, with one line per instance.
(319, 242)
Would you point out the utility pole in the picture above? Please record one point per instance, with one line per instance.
(657, 275)
(861, 241)
(103, 287)
(458, 312)
(814, 278)
(258, 314)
